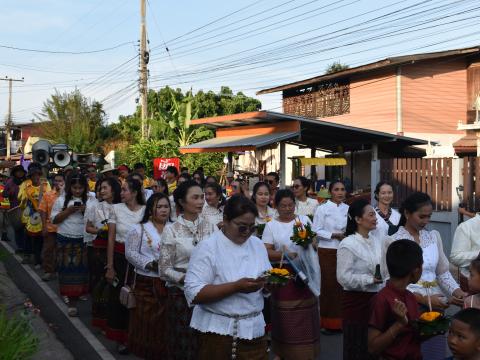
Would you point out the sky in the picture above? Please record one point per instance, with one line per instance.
(248, 45)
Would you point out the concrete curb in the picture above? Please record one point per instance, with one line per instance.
(76, 337)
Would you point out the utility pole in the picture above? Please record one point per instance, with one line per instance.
(9, 122)
(144, 57)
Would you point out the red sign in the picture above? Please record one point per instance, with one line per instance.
(160, 165)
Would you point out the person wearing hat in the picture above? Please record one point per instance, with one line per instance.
(91, 177)
(10, 192)
(123, 172)
(30, 194)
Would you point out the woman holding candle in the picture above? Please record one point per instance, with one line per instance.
(329, 223)
(225, 281)
(436, 287)
(295, 303)
(359, 272)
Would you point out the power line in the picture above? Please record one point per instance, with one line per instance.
(67, 52)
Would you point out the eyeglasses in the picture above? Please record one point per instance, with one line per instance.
(246, 229)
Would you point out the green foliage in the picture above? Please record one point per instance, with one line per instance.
(171, 112)
(336, 67)
(17, 340)
(72, 119)
(212, 163)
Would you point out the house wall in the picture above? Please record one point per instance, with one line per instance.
(434, 96)
(372, 103)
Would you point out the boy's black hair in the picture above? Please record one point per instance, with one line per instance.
(403, 256)
(471, 317)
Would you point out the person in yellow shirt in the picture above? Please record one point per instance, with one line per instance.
(139, 168)
(49, 230)
(92, 177)
(4, 207)
(171, 175)
(30, 194)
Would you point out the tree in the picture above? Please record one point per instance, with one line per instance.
(171, 112)
(72, 119)
(336, 67)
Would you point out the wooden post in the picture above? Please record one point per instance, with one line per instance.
(283, 165)
(374, 171)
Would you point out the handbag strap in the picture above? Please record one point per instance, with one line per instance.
(128, 264)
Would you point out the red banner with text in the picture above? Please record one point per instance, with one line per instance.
(160, 165)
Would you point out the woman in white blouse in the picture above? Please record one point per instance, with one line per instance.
(261, 198)
(214, 203)
(126, 215)
(330, 222)
(387, 217)
(416, 212)
(97, 218)
(358, 271)
(224, 280)
(68, 214)
(147, 328)
(303, 204)
(178, 242)
(297, 302)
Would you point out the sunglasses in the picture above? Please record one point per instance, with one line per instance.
(245, 229)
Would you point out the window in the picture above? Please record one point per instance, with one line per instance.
(321, 100)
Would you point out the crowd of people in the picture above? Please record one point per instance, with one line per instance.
(176, 267)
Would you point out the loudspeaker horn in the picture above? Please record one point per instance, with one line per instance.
(41, 152)
(61, 156)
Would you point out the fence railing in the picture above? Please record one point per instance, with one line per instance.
(471, 187)
(432, 176)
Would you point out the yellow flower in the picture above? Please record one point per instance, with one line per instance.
(430, 316)
(302, 234)
(268, 218)
(280, 272)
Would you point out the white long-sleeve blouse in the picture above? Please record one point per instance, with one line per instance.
(466, 244)
(357, 258)
(178, 241)
(435, 263)
(330, 218)
(143, 247)
(218, 260)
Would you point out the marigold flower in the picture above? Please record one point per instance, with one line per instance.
(430, 316)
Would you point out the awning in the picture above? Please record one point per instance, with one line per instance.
(323, 161)
(238, 143)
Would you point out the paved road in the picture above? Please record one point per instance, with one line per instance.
(83, 341)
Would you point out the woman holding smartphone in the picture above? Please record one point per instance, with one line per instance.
(68, 215)
(126, 215)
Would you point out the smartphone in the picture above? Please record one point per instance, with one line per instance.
(77, 203)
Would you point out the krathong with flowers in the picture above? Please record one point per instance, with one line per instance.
(277, 276)
(303, 234)
(431, 323)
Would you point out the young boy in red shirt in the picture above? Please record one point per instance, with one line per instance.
(391, 334)
(464, 335)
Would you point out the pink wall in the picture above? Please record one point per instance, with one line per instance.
(434, 96)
